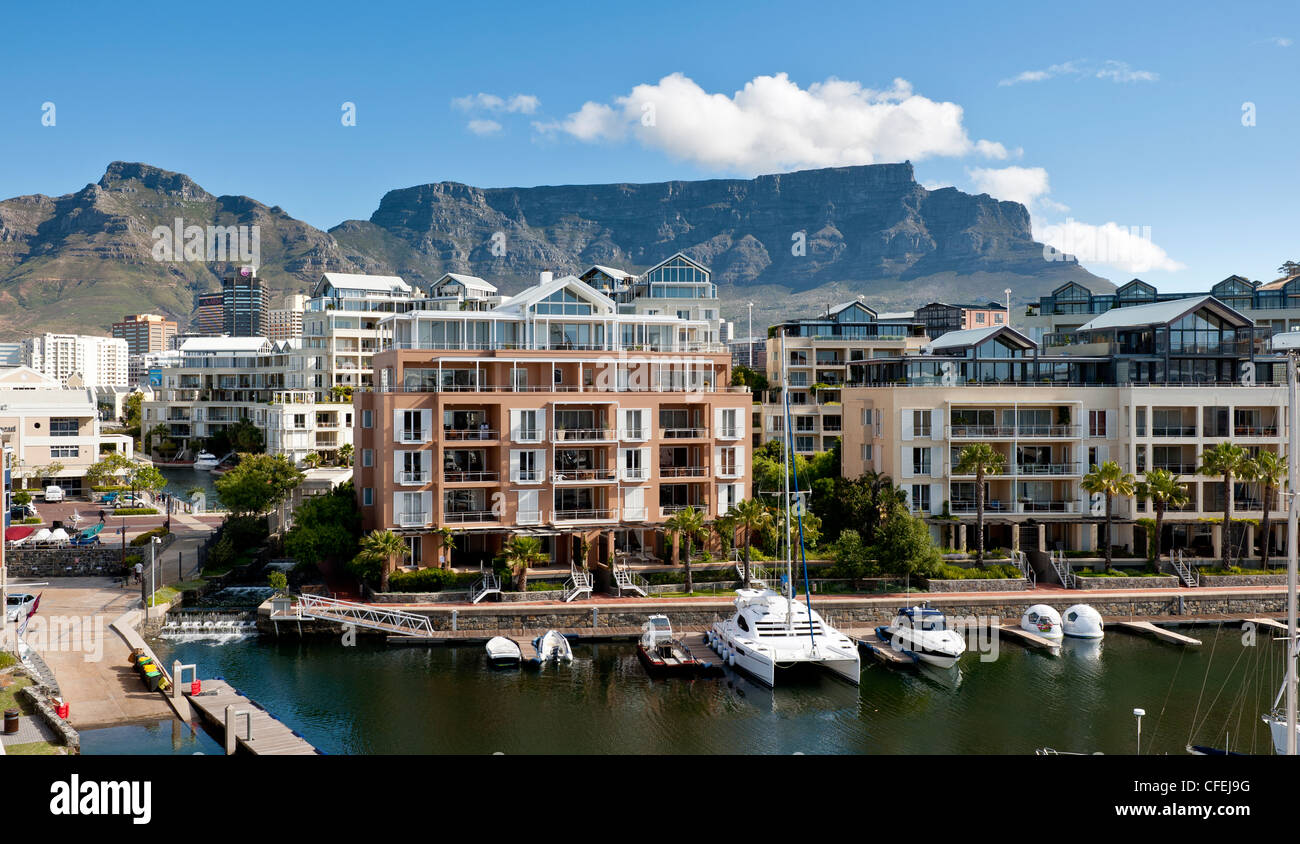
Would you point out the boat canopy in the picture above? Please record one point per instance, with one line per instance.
(92, 531)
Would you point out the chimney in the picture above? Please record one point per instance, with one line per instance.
(546, 277)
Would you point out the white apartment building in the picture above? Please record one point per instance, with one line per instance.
(340, 327)
(221, 380)
(78, 359)
(676, 287)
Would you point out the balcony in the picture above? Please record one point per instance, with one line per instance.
(667, 511)
(529, 435)
(584, 476)
(683, 471)
(528, 517)
(639, 473)
(1001, 506)
(418, 518)
(1047, 469)
(526, 476)
(1255, 430)
(479, 434)
(590, 435)
(729, 432)
(584, 515)
(469, 516)
(635, 514)
(682, 433)
(1173, 430)
(458, 477)
(638, 434)
(1047, 431)
(411, 435)
(412, 477)
(1177, 468)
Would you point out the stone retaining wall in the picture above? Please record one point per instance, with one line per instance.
(980, 585)
(69, 561)
(1091, 583)
(1211, 580)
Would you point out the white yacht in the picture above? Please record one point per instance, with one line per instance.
(770, 631)
(924, 631)
(552, 645)
(205, 460)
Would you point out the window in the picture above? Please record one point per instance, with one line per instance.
(367, 497)
(367, 419)
(412, 427)
(729, 428)
(921, 498)
(979, 317)
(64, 451)
(866, 453)
(367, 457)
(866, 416)
(528, 466)
(920, 461)
(634, 431)
(921, 423)
(728, 467)
(528, 429)
(63, 427)
(413, 543)
(804, 444)
(1096, 423)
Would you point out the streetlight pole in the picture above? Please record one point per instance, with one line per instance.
(1008, 295)
(1292, 544)
(749, 339)
(1138, 713)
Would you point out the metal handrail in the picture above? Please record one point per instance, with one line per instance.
(363, 615)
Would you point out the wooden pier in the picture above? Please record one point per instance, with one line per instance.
(1159, 632)
(1033, 640)
(256, 732)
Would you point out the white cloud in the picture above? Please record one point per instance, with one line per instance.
(1279, 41)
(772, 124)
(483, 127)
(516, 104)
(1111, 69)
(1025, 185)
(1126, 248)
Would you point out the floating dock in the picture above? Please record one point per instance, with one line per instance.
(1159, 632)
(880, 648)
(1033, 640)
(1271, 623)
(256, 731)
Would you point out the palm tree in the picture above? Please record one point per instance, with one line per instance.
(1109, 479)
(1268, 469)
(520, 553)
(445, 536)
(345, 454)
(1225, 460)
(687, 524)
(752, 517)
(979, 459)
(1164, 490)
(386, 548)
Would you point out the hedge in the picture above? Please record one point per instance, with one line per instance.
(143, 539)
(430, 580)
(136, 511)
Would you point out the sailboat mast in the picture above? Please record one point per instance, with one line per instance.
(1292, 544)
(787, 448)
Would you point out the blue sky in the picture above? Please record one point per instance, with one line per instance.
(1110, 113)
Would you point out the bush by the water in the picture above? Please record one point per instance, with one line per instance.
(430, 580)
(950, 572)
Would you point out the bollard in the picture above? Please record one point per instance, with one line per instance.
(230, 730)
(62, 709)
(196, 687)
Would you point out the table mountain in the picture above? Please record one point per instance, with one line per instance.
(83, 260)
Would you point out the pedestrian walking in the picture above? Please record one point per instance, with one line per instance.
(101, 515)
(138, 573)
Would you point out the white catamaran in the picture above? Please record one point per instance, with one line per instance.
(773, 630)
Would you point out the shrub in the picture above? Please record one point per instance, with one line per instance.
(136, 511)
(143, 539)
(132, 559)
(246, 531)
(1000, 572)
(430, 580)
(277, 581)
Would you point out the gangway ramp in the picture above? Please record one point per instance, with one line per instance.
(394, 622)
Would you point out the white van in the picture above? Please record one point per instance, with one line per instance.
(54, 493)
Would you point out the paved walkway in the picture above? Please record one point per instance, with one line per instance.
(87, 656)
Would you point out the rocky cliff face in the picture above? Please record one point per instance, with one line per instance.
(84, 259)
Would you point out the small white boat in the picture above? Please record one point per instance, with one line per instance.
(1043, 621)
(503, 652)
(552, 645)
(924, 631)
(1083, 622)
(205, 460)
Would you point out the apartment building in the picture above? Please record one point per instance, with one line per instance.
(1273, 307)
(145, 333)
(676, 286)
(551, 414)
(54, 431)
(940, 317)
(341, 325)
(1147, 386)
(818, 353)
(285, 323)
(78, 360)
(220, 380)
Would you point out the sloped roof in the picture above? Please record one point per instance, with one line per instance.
(225, 344)
(1160, 313)
(471, 282)
(974, 336)
(523, 300)
(358, 281)
(612, 272)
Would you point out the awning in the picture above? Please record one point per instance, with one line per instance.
(19, 532)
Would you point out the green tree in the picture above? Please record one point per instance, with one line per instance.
(245, 437)
(325, 527)
(1109, 479)
(853, 557)
(751, 517)
(259, 483)
(109, 470)
(312, 460)
(345, 454)
(132, 416)
(904, 545)
(1224, 460)
(687, 524)
(980, 460)
(385, 548)
(743, 376)
(22, 497)
(1163, 489)
(145, 477)
(518, 554)
(1268, 469)
(277, 581)
(156, 435)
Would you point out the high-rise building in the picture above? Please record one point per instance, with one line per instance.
(245, 303)
(553, 413)
(145, 332)
(78, 360)
(206, 321)
(286, 323)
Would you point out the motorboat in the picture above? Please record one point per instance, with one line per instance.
(1042, 621)
(552, 645)
(1083, 622)
(770, 631)
(503, 652)
(663, 655)
(205, 460)
(924, 632)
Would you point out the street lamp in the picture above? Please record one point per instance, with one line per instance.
(1008, 295)
(749, 339)
(1138, 713)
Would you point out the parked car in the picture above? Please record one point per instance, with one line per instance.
(18, 605)
(54, 493)
(130, 501)
(23, 511)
